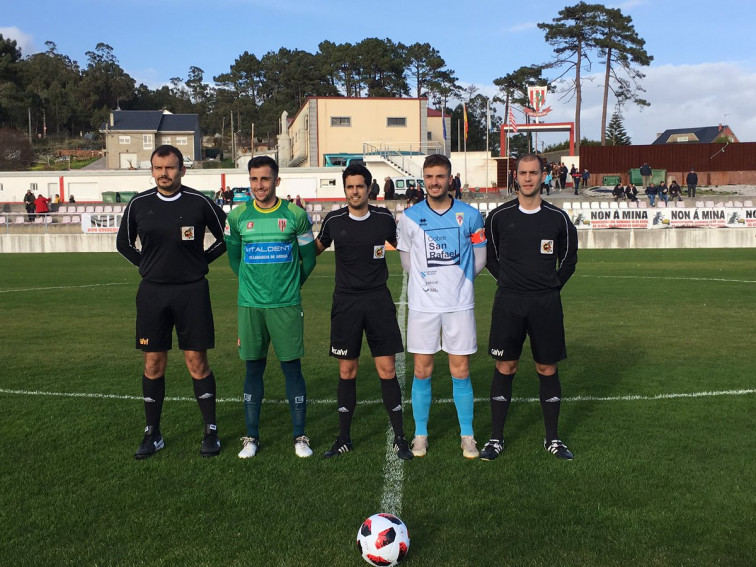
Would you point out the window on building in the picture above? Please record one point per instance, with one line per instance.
(181, 141)
(328, 183)
(146, 141)
(396, 121)
(341, 121)
(166, 140)
(124, 140)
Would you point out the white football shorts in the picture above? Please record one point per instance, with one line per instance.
(454, 332)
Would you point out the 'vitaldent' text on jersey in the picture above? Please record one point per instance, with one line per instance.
(263, 248)
(441, 255)
(360, 247)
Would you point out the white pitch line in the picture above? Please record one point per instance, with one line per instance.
(320, 402)
(134, 283)
(393, 470)
(667, 278)
(50, 288)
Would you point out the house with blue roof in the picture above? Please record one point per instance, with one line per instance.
(703, 135)
(132, 135)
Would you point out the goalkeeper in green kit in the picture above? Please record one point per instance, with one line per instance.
(271, 248)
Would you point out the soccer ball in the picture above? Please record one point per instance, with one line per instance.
(383, 539)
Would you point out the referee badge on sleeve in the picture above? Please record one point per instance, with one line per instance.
(547, 246)
(379, 252)
(187, 233)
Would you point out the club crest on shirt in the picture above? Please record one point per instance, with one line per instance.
(460, 218)
(379, 252)
(547, 246)
(227, 229)
(282, 224)
(187, 233)
(250, 225)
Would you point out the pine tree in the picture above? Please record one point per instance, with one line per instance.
(615, 132)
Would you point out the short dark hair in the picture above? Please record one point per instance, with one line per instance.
(166, 150)
(529, 157)
(438, 159)
(357, 169)
(263, 161)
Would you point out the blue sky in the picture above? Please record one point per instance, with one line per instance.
(703, 73)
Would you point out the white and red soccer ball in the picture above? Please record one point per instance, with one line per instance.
(383, 539)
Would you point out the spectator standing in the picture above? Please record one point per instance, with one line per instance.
(586, 177)
(563, 171)
(457, 185)
(692, 181)
(575, 174)
(170, 221)
(71, 199)
(388, 189)
(300, 202)
(555, 172)
(41, 204)
(374, 190)
(532, 253)
(547, 183)
(29, 204)
(646, 173)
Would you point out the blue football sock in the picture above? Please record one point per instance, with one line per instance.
(463, 400)
(421, 401)
(296, 392)
(253, 396)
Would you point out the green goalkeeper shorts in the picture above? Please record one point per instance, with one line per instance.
(283, 326)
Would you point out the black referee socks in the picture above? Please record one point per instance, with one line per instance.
(153, 392)
(204, 391)
(501, 398)
(550, 393)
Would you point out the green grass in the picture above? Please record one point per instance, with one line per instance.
(655, 481)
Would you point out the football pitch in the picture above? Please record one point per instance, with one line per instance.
(658, 408)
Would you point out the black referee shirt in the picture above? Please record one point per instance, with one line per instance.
(171, 231)
(360, 247)
(532, 253)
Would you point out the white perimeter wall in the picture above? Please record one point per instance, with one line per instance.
(590, 239)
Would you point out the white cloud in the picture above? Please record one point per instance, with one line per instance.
(525, 26)
(24, 41)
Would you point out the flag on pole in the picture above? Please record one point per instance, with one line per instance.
(464, 111)
(443, 122)
(512, 123)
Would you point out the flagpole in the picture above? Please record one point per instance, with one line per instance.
(488, 127)
(464, 113)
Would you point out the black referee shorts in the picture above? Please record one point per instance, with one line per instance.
(160, 307)
(375, 314)
(538, 316)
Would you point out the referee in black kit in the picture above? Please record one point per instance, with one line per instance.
(532, 252)
(170, 221)
(362, 302)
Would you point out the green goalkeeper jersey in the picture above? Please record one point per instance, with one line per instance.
(265, 251)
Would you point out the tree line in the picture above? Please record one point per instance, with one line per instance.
(58, 96)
